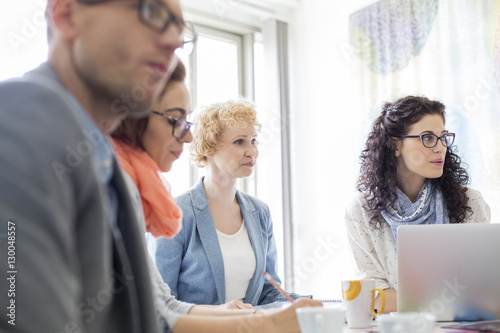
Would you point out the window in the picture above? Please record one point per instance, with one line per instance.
(23, 43)
(214, 75)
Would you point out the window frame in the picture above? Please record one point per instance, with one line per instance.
(245, 68)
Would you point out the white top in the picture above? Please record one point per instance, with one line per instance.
(373, 250)
(239, 262)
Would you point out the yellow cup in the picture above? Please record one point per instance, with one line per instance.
(359, 300)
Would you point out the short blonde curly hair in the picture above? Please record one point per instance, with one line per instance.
(211, 122)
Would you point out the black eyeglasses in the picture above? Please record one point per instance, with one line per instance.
(180, 126)
(157, 16)
(431, 140)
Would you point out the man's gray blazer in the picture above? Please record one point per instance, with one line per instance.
(76, 271)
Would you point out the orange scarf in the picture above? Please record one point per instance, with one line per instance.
(163, 216)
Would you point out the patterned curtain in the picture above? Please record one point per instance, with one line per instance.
(447, 50)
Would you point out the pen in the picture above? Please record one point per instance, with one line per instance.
(277, 286)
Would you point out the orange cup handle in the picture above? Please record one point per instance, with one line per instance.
(382, 295)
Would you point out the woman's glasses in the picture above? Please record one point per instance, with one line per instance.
(180, 126)
(431, 140)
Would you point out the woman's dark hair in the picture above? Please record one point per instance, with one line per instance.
(131, 130)
(378, 178)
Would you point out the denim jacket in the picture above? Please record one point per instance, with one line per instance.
(191, 263)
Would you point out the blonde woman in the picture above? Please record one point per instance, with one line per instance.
(226, 241)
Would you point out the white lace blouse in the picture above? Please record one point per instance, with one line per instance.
(373, 250)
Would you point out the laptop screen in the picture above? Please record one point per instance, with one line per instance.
(452, 270)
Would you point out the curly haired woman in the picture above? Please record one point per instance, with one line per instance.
(410, 174)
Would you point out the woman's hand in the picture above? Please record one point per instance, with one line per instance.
(235, 304)
(233, 308)
(286, 320)
(391, 301)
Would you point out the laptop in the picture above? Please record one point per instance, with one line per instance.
(451, 270)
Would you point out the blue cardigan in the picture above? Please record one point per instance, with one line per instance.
(191, 263)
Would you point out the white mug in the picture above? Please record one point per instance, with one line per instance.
(358, 298)
(406, 322)
(317, 319)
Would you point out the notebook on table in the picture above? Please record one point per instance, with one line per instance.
(328, 303)
(452, 270)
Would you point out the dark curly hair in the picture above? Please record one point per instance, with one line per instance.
(378, 178)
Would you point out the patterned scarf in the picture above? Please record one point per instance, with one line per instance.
(163, 216)
(429, 208)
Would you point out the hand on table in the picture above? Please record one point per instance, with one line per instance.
(236, 304)
(286, 319)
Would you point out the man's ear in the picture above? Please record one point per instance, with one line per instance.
(62, 14)
(397, 146)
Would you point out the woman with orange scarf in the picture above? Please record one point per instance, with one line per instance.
(145, 148)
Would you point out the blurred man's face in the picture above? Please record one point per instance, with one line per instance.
(118, 57)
